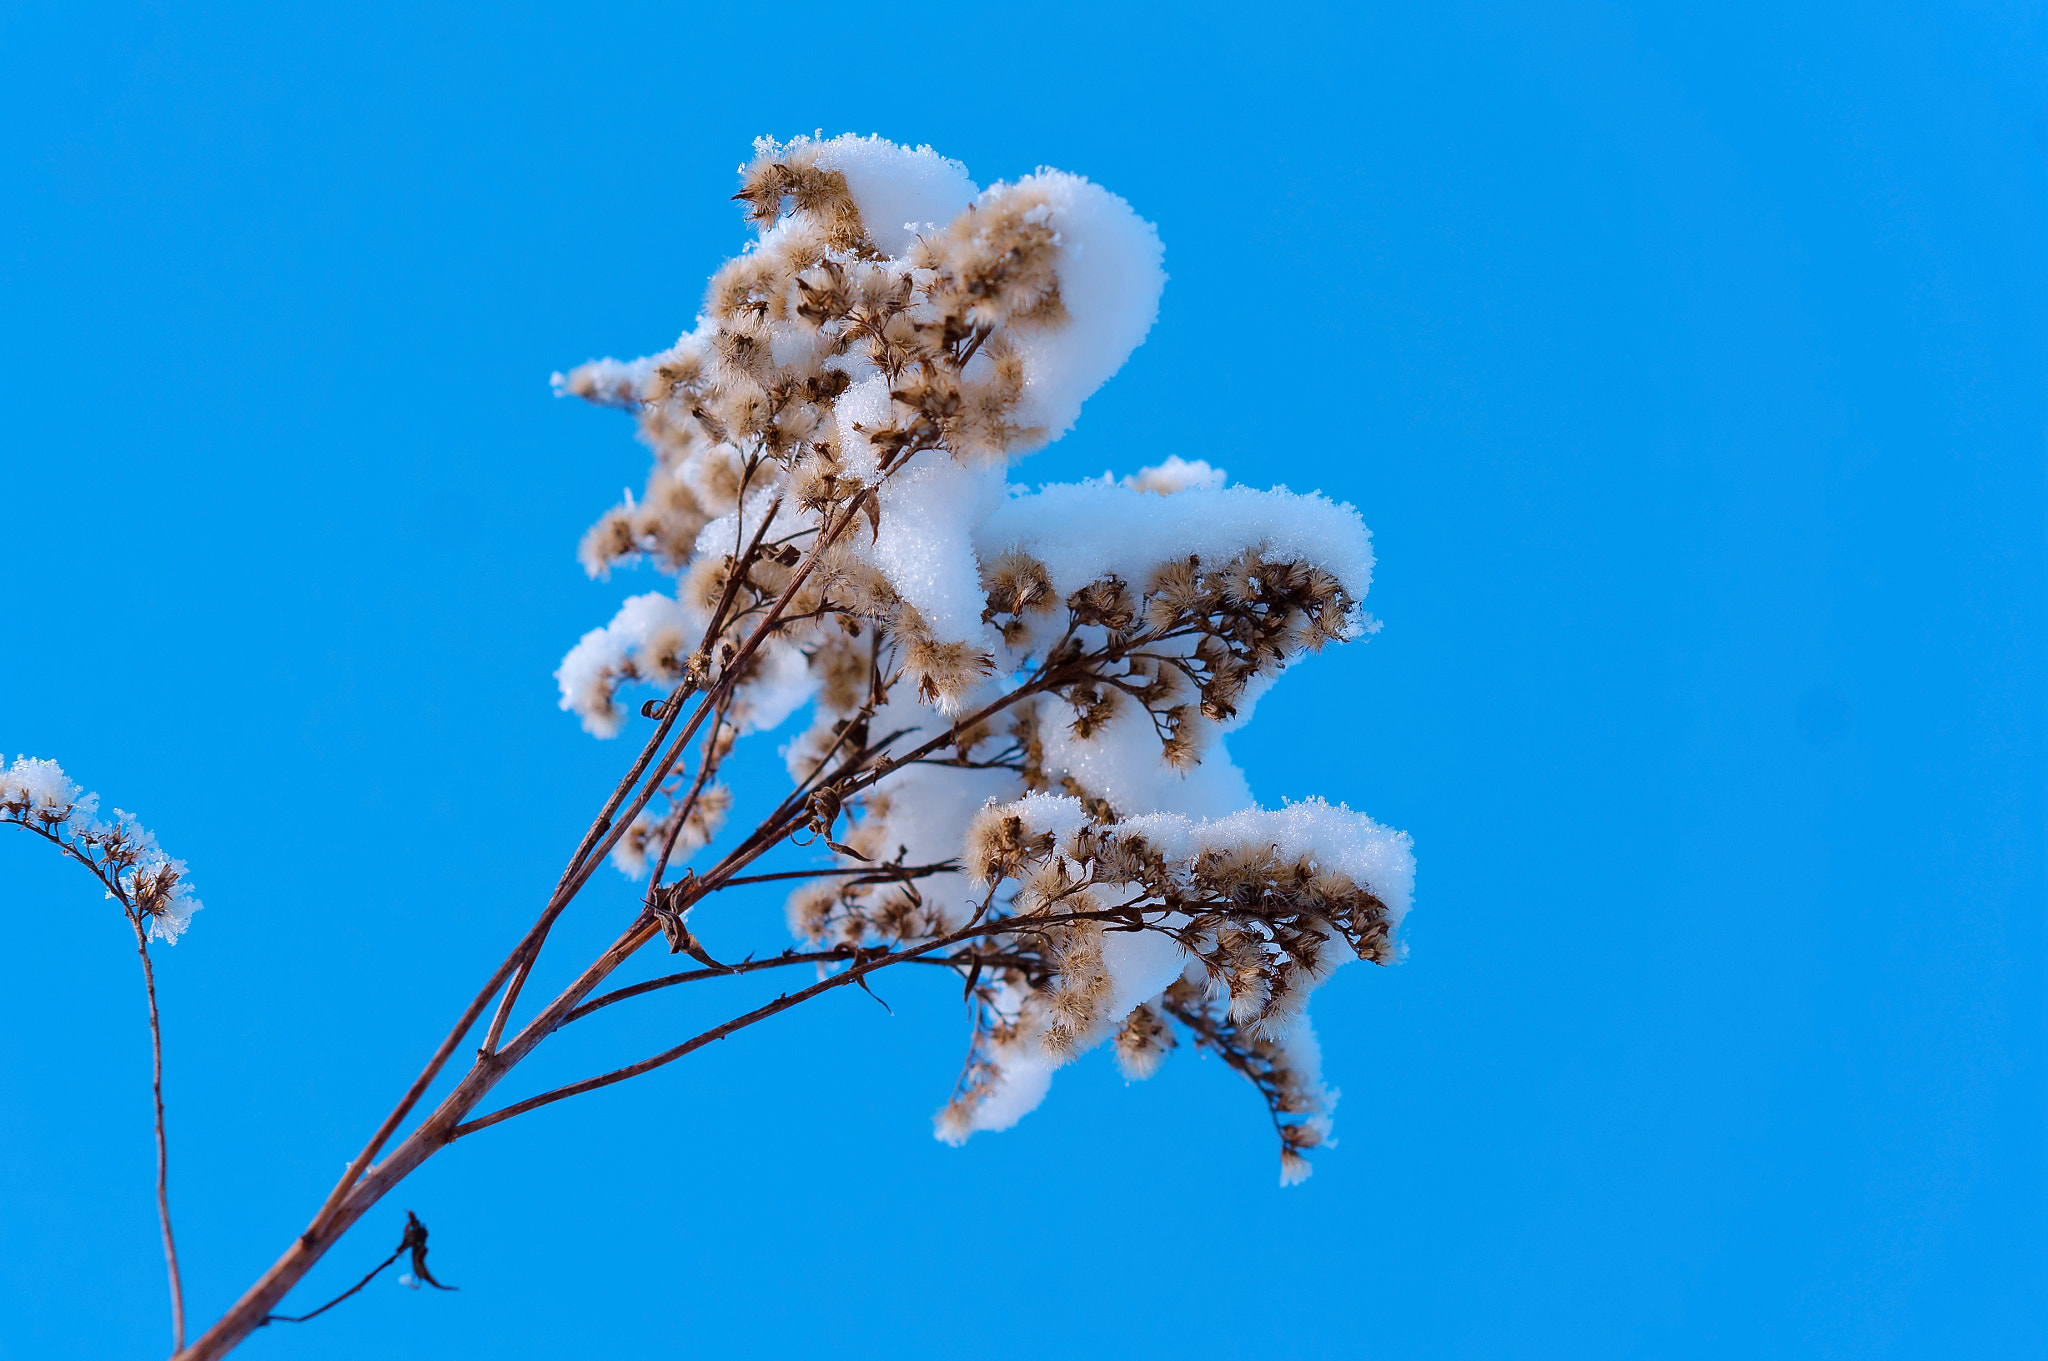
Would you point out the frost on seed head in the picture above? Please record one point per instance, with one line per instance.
(122, 854)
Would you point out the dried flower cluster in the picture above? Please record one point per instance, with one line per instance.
(1017, 696)
(122, 855)
(1117, 927)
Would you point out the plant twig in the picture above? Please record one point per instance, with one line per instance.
(156, 1088)
(719, 1032)
(414, 1241)
(880, 874)
(865, 963)
(371, 1275)
(109, 876)
(597, 842)
(783, 960)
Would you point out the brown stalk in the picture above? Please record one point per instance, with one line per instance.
(163, 1156)
(680, 815)
(828, 533)
(880, 874)
(742, 564)
(786, 958)
(362, 1184)
(598, 841)
(111, 881)
(445, 1124)
(557, 902)
(428, 1138)
(860, 970)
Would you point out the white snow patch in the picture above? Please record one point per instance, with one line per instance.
(901, 191)
(1110, 273)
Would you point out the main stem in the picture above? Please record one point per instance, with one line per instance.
(432, 1135)
(439, 1130)
(445, 1125)
(163, 1156)
(363, 1185)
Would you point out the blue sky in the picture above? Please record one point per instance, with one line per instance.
(1686, 363)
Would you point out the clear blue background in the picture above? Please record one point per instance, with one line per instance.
(1687, 363)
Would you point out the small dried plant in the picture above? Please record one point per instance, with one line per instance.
(1013, 767)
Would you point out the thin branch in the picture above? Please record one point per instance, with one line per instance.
(372, 1275)
(838, 955)
(1209, 1035)
(557, 902)
(109, 876)
(761, 1013)
(681, 813)
(880, 874)
(596, 843)
(828, 532)
(163, 1156)
(745, 966)
(860, 970)
(581, 864)
(414, 1241)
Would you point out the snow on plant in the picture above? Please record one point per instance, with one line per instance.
(155, 898)
(1013, 765)
(123, 854)
(1022, 693)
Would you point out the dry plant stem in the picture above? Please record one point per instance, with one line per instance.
(719, 1032)
(445, 1123)
(885, 873)
(706, 764)
(671, 708)
(579, 863)
(1206, 1035)
(859, 772)
(365, 1184)
(859, 971)
(712, 698)
(840, 955)
(609, 827)
(439, 1128)
(604, 833)
(135, 915)
(428, 1138)
(163, 1157)
(557, 902)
